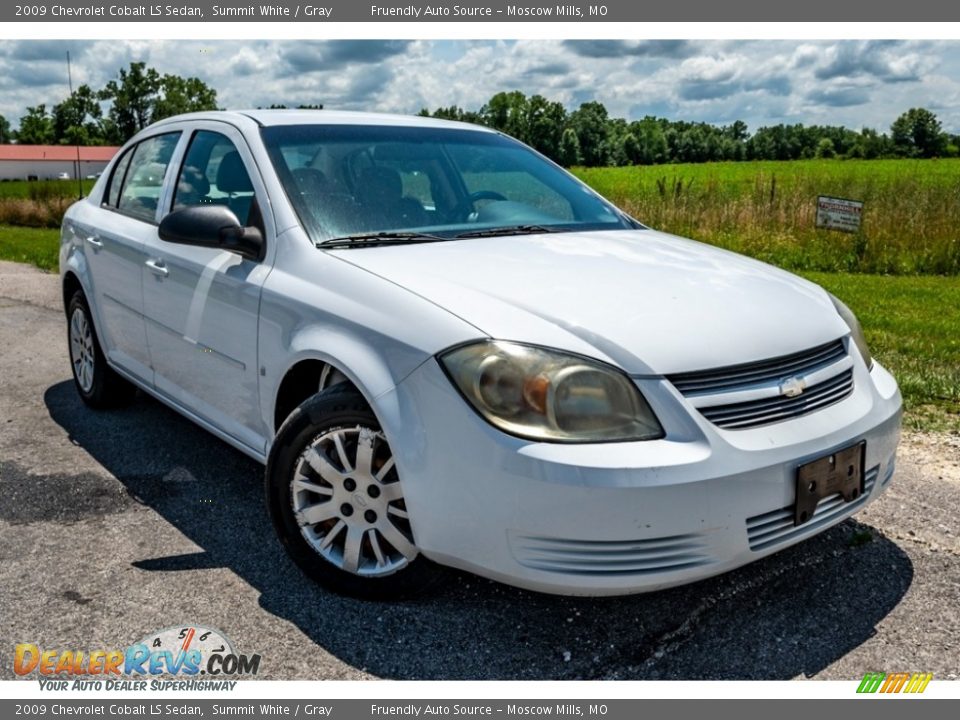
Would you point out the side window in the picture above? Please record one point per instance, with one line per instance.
(213, 174)
(144, 177)
(116, 179)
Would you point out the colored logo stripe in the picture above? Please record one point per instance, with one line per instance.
(894, 683)
(918, 683)
(871, 682)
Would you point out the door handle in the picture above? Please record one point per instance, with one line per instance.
(95, 242)
(157, 267)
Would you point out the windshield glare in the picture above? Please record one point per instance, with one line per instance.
(346, 180)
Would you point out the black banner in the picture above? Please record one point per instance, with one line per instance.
(320, 709)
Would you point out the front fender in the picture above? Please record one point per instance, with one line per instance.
(365, 364)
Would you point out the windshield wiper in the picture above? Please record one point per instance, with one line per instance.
(508, 230)
(379, 238)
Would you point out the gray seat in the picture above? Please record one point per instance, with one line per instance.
(232, 178)
(380, 194)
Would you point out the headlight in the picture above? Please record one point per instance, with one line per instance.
(856, 332)
(548, 395)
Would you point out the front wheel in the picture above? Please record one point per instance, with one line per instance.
(336, 500)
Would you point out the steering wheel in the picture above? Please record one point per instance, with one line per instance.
(462, 210)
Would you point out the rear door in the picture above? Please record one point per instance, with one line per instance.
(202, 304)
(115, 250)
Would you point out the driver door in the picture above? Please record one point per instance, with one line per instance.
(201, 304)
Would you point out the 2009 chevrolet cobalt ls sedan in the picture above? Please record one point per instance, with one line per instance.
(445, 348)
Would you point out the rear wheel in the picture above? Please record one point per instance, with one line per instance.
(99, 386)
(336, 500)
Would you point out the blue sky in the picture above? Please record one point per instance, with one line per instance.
(852, 83)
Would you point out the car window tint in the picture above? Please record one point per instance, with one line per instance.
(213, 173)
(116, 179)
(144, 179)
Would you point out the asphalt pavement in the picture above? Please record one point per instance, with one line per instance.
(114, 524)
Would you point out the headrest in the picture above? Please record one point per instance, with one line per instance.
(309, 181)
(192, 187)
(380, 185)
(232, 175)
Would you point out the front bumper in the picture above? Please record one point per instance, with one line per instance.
(617, 518)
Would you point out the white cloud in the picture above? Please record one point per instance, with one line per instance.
(851, 83)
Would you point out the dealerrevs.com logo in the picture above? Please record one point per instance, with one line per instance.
(197, 657)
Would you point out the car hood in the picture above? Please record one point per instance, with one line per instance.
(649, 302)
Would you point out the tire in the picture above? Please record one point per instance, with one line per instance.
(96, 382)
(341, 517)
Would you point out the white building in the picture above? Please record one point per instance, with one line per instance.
(47, 162)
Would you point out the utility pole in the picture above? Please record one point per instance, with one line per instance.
(70, 85)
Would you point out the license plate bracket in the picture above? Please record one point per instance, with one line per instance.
(839, 472)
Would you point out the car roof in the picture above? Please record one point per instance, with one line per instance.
(323, 117)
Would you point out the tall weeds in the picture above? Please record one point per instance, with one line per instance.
(46, 213)
(911, 221)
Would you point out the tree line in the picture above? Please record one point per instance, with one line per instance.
(589, 136)
(138, 96)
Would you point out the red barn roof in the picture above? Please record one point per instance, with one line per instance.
(60, 153)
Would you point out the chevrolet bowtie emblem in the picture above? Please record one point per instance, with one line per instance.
(791, 387)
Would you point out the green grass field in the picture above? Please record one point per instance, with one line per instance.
(911, 324)
(43, 189)
(767, 210)
(35, 246)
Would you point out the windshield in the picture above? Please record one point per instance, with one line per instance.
(434, 183)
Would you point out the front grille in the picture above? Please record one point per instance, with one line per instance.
(776, 527)
(763, 412)
(774, 370)
(611, 557)
(719, 394)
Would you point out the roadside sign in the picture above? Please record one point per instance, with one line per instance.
(839, 214)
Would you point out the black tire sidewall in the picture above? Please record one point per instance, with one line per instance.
(100, 369)
(334, 408)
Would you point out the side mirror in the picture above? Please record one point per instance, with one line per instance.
(213, 226)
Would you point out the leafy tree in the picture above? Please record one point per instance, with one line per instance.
(543, 123)
(132, 98)
(631, 149)
(589, 121)
(825, 148)
(569, 153)
(737, 132)
(506, 112)
(917, 133)
(453, 113)
(78, 120)
(5, 133)
(36, 127)
(140, 96)
(182, 95)
(652, 141)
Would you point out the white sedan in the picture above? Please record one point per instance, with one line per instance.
(446, 349)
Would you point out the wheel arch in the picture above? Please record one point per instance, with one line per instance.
(71, 283)
(302, 380)
(341, 359)
(75, 277)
